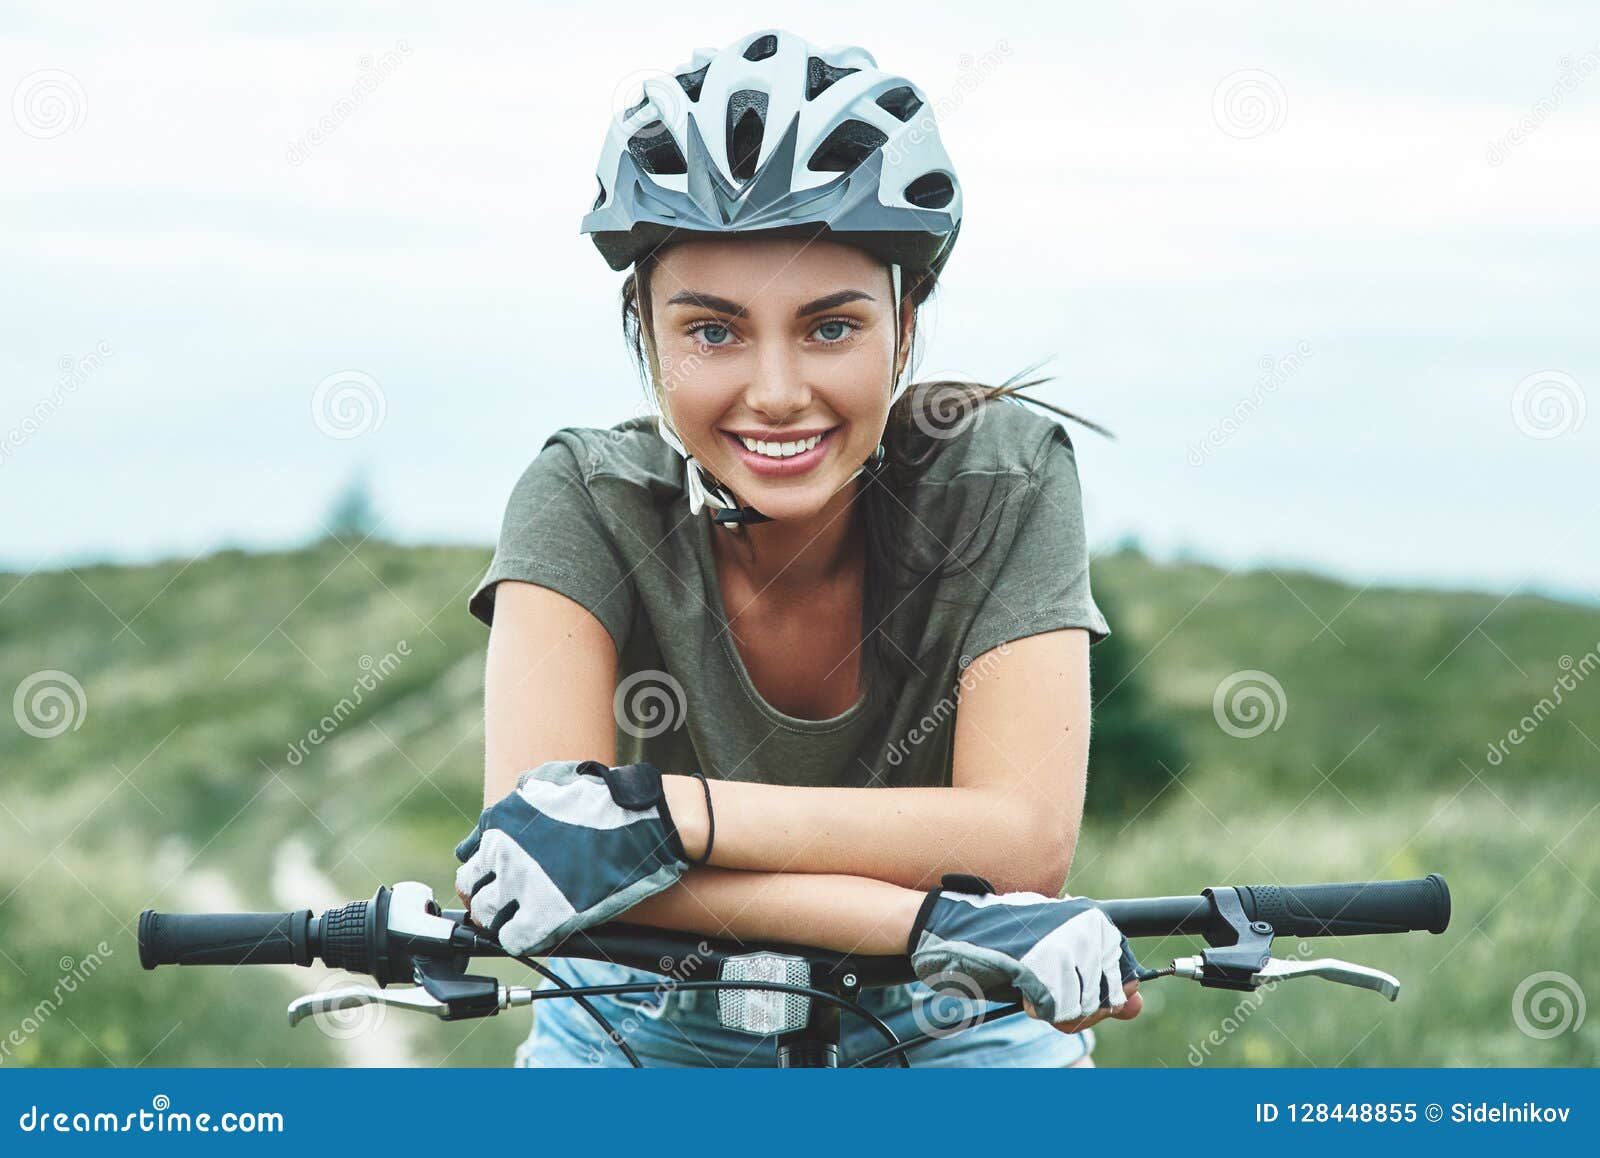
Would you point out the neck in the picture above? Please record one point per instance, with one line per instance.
(791, 554)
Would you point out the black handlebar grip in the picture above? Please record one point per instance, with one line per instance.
(1346, 909)
(224, 938)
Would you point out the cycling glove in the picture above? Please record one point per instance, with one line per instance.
(1063, 955)
(575, 844)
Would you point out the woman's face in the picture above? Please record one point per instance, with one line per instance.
(775, 362)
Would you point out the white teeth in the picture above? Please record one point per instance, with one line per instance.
(780, 449)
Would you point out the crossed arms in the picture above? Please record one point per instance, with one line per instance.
(834, 867)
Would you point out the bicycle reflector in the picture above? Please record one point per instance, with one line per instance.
(764, 1011)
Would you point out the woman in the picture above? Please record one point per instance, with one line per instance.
(873, 653)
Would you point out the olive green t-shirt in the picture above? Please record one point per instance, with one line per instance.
(602, 516)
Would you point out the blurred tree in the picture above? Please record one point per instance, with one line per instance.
(353, 517)
(1134, 752)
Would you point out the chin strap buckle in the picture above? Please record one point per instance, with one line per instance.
(729, 516)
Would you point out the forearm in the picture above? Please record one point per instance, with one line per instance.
(846, 914)
(905, 836)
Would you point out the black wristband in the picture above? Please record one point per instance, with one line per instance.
(924, 911)
(711, 820)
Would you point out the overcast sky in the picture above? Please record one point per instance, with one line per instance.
(1393, 207)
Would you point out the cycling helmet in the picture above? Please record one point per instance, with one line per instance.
(775, 133)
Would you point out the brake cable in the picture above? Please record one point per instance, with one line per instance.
(588, 1007)
(993, 1013)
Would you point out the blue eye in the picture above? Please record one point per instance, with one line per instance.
(702, 330)
(845, 327)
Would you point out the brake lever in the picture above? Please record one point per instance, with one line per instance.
(1275, 969)
(358, 996)
(416, 999)
(1245, 961)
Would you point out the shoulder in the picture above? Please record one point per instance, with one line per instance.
(979, 493)
(1001, 437)
(630, 456)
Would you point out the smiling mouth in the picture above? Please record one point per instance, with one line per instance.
(781, 458)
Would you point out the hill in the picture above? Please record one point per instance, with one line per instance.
(287, 730)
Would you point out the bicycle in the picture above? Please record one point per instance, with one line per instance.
(791, 993)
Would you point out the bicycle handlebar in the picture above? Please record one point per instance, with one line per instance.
(402, 935)
(1343, 910)
(354, 937)
(226, 938)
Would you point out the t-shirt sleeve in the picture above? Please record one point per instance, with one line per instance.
(553, 535)
(1043, 584)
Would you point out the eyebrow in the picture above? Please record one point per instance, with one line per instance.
(734, 310)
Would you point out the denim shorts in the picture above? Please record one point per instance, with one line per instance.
(680, 1028)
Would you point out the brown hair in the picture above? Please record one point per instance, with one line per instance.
(921, 423)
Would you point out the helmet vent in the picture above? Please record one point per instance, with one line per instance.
(820, 74)
(747, 115)
(900, 102)
(655, 150)
(846, 147)
(691, 81)
(600, 197)
(628, 113)
(762, 47)
(931, 191)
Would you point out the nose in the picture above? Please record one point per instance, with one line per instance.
(779, 386)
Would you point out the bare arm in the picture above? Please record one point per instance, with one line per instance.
(1012, 814)
(547, 687)
(843, 913)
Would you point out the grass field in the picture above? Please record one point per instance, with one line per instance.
(195, 771)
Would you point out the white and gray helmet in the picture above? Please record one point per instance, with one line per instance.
(773, 132)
